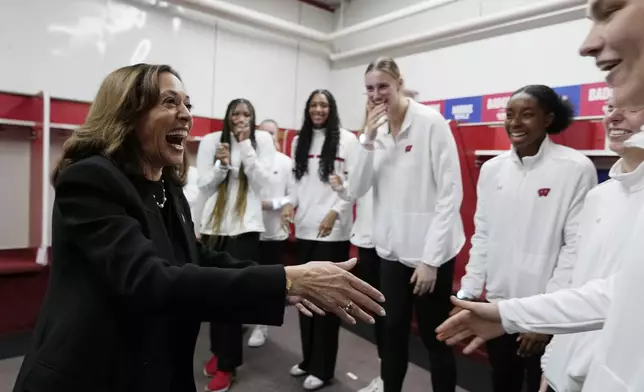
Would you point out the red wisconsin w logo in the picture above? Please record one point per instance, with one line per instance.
(543, 192)
(408, 148)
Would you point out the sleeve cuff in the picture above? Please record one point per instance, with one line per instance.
(219, 166)
(365, 140)
(280, 202)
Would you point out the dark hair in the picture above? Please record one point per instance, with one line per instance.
(331, 140)
(125, 95)
(217, 214)
(550, 102)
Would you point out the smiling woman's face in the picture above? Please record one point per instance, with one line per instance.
(616, 42)
(162, 132)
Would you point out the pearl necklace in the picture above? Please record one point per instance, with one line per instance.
(162, 204)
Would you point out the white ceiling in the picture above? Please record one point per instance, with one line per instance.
(331, 3)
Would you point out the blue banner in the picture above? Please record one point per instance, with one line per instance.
(572, 94)
(466, 110)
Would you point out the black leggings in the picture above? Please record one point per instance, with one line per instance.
(509, 370)
(368, 269)
(431, 310)
(226, 339)
(319, 334)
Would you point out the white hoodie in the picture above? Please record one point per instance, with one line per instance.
(280, 187)
(527, 219)
(257, 163)
(314, 198)
(603, 236)
(417, 189)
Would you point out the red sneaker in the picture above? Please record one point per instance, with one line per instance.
(211, 367)
(221, 382)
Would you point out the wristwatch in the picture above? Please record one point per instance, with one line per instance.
(289, 284)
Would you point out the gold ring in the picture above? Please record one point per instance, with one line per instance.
(348, 307)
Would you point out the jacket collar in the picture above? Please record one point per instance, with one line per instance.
(633, 181)
(528, 163)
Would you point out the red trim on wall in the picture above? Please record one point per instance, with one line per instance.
(20, 107)
(318, 4)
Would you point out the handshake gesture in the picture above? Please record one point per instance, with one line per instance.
(319, 287)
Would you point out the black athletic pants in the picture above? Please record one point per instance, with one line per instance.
(226, 339)
(431, 310)
(368, 269)
(270, 252)
(319, 334)
(510, 370)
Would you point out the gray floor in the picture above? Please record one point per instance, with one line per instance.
(266, 368)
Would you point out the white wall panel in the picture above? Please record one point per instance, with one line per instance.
(264, 73)
(187, 46)
(493, 65)
(53, 45)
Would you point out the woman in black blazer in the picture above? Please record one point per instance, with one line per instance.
(130, 284)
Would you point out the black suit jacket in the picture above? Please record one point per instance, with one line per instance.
(121, 313)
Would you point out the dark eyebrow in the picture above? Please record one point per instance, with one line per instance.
(175, 93)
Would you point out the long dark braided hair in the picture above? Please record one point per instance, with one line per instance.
(331, 140)
(217, 214)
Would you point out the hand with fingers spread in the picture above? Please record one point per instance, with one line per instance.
(479, 320)
(332, 288)
(424, 279)
(223, 154)
(531, 344)
(326, 226)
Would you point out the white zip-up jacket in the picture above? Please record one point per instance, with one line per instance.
(417, 189)
(362, 232)
(314, 198)
(257, 163)
(603, 235)
(277, 192)
(526, 222)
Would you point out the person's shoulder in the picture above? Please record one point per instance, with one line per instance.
(347, 135)
(426, 112)
(212, 137)
(495, 162)
(95, 171)
(573, 157)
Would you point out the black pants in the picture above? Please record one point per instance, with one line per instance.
(431, 310)
(368, 269)
(270, 252)
(226, 339)
(510, 370)
(319, 334)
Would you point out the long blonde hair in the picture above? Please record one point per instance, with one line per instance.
(124, 96)
(217, 215)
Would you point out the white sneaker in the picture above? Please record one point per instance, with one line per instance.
(258, 337)
(312, 383)
(375, 385)
(296, 371)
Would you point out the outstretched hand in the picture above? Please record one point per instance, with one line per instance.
(330, 287)
(476, 319)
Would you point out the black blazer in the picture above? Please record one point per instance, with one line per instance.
(121, 314)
